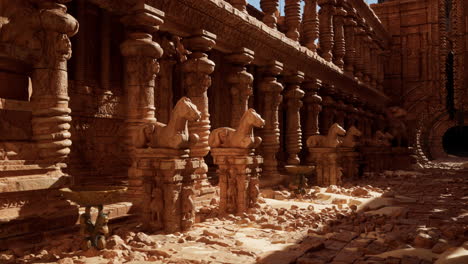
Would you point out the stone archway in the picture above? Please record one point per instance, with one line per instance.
(435, 140)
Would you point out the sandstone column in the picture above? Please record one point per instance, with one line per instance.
(359, 44)
(367, 59)
(270, 90)
(328, 108)
(141, 56)
(340, 112)
(51, 115)
(310, 25)
(293, 95)
(312, 108)
(339, 48)
(292, 12)
(350, 57)
(327, 9)
(241, 83)
(197, 71)
(269, 8)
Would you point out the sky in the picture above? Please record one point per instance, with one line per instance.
(256, 3)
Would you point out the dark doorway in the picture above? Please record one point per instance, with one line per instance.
(455, 141)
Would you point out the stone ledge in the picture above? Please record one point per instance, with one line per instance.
(32, 183)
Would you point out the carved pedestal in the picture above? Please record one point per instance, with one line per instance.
(348, 159)
(327, 166)
(239, 172)
(197, 80)
(167, 177)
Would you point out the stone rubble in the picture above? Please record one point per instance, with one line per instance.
(399, 219)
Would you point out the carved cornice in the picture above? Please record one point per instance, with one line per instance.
(238, 29)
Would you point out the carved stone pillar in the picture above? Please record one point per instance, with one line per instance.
(270, 90)
(197, 71)
(239, 4)
(327, 116)
(350, 56)
(269, 8)
(339, 47)
(51, 115)
(340, 111)
(241, 83)
(312, 105)
(310, 25)
(359, 45)
(367, 59)
(293, 95)
(292, 12)
(327, 9)
(141, 56)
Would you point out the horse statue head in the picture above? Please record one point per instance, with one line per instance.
(252, 118)
(353, 131)
(336, 130)
(186, 109)
(349, 140)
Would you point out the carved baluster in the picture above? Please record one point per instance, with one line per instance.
(239, 4)
(241, 83)
(359, 44)
(293, 95)
(339, 47)
(340, 110)
(197, 71)
(327, 115)
(270, 90)
(292, 11)
(327, 9)
(310, 25)
(270, 10)
(141, 56)
(367, 59)
(312, 108)
(350, 56)
(51, 115)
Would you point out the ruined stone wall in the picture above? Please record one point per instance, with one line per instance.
(415, 75)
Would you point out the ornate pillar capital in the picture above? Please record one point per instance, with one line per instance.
(241, 83)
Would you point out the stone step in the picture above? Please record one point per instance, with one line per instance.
(33, 182)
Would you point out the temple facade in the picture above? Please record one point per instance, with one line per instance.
(87, 85)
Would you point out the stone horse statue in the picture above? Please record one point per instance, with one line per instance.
(331, 140)
(174, 135)
(242, 137)
(349, 140)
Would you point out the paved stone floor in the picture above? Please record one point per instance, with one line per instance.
(396, 217)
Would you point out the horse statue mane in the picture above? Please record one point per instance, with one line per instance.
(242, 137)
(331, 140)
(174, 135)
(349, 140)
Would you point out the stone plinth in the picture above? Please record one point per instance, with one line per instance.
(326, 161)
(239, 172)
(348, 159)
(163, 182)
